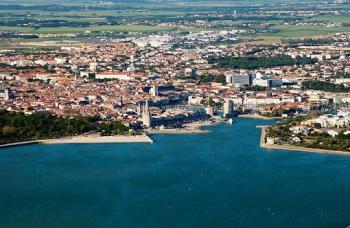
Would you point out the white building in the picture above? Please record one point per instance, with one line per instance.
(268, 82)
(342, 119)
(239, 80)
(112, 75)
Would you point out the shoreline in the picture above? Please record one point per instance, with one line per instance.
(95, 139)
(15, 144)
(190, 128)
(179, 131)
(296, 148)
(260, 117)
(88, 139)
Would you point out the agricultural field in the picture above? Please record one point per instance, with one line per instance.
(85, 16)
(77, 30)
(332, 18)
(289, 31)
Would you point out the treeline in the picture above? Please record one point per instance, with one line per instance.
(252, 63)
(325, 86)
(310, 42)
(279, 131)
(114, 128)
(16, 127)
(211, 78)
(13, 35)
(62, 8)
(256, 88)
(324, 141)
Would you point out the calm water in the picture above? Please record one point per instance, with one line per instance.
(222, 179)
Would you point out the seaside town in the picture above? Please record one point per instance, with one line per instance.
(165, 81)
(174, 113)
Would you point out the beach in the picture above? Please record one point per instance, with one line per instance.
(90, 139)
(86, 139)
(289, 147)
(256, 116)
(190, 128)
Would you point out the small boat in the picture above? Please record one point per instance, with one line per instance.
(230, 121)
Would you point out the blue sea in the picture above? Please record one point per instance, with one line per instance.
(220, 179)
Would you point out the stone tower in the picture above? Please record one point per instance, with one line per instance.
(146, 118)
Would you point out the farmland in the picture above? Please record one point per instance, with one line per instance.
(266, 21)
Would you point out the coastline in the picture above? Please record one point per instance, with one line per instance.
(95, 139)
(255, 116)
(24, 143)
(88, 139)
(296, 148)
(191, 128)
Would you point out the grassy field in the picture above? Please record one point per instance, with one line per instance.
(281, 32)
(290, 31)
(332, 18)
(62, 30)
(130, 12)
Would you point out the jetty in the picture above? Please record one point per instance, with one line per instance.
(263, 133)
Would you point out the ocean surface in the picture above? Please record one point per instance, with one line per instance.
(221, 179)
